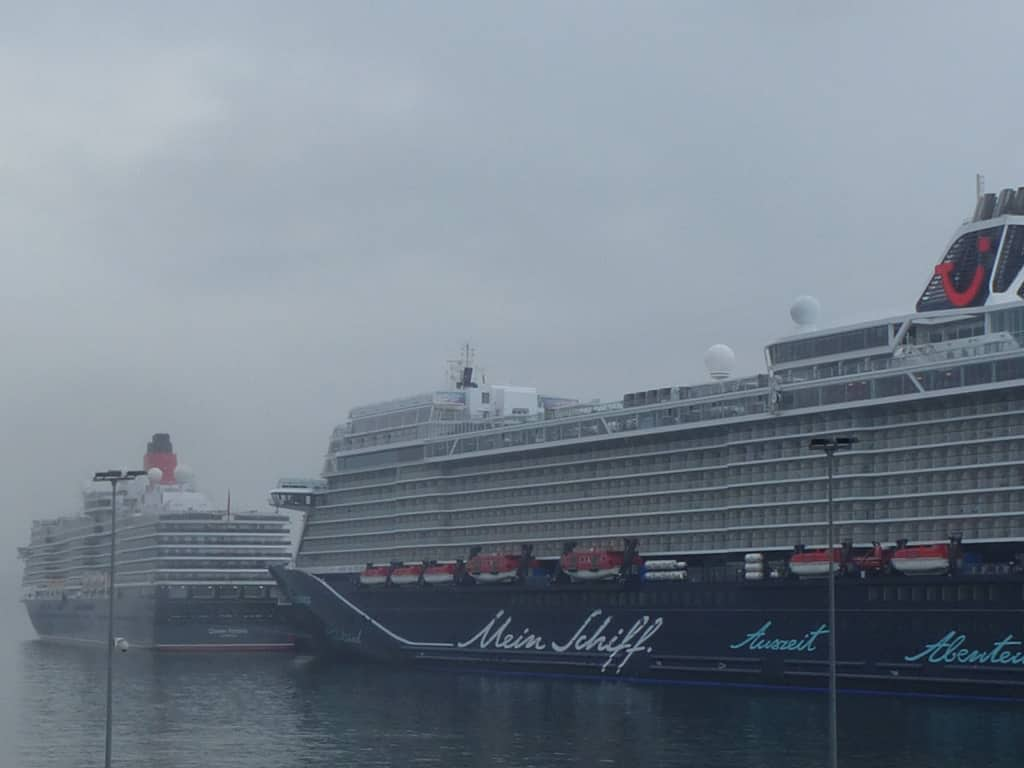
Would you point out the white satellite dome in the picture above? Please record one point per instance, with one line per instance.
(155, 475)
(183, 473)
(805, 311)
(720, 360)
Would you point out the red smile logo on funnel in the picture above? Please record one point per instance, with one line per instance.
(964, 297)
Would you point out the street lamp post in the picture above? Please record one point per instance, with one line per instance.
(113, 476)
(829, 446)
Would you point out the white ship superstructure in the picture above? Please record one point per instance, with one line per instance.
(936, 399)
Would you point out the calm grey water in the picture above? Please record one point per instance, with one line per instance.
(216, 710)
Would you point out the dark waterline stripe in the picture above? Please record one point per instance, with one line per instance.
(745, 686)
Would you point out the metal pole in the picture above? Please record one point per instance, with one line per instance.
(110, 621)
(833, 739)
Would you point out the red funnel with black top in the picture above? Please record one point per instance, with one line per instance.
(160, 454)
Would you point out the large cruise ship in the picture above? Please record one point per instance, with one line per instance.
(189, 576)
(676, 534)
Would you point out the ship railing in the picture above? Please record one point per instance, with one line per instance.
(582, 409)
(905, 358)
(314, 483)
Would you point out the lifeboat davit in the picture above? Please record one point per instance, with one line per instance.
(812, 564)
(374, 576)
(872, 561)
(439, 573)
(406, 574)
(933, 558)
(493, 568)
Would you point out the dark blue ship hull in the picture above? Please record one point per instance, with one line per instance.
(944, 634)
(156, 622)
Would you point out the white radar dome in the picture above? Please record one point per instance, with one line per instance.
(155, 475)
(720, 360)
(805, 311)
(184, 473)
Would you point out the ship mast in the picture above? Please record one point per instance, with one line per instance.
(460, 371)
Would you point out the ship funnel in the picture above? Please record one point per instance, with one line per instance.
(160, 455)
(1005, 203)
(986, 206)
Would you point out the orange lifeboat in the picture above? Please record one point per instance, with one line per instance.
(439, 573)
(406, 574)
(494, 568)
(816, 563)
(930, 559)
(592, 564)
(374, 575)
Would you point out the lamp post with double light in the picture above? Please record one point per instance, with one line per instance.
(112, 476)
(829, 446)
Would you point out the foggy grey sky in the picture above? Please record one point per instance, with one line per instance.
(233, 222)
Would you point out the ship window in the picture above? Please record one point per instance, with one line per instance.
(177, 592)
(228, 593)
(1011, 259)
(949, 594)
(980, 373)
(1009, 369)
(253, 593)
(963, 593)
(202, 592)
(903, 593)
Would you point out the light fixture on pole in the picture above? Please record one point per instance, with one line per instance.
(829, 446)
(112, 476)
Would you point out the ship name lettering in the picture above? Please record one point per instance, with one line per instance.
(495, 634)
(593, 635)
(758, 640)
(948, 650)
(627, 642)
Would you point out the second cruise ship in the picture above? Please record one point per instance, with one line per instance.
(189, 576)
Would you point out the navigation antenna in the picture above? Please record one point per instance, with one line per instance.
(460, 372)
(979, 185)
